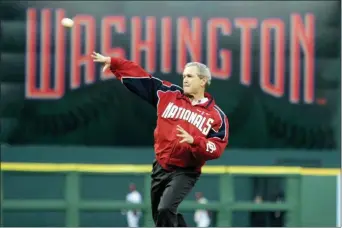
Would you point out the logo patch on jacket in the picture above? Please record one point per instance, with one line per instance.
(203, 124)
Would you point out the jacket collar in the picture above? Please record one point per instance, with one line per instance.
(208, 105)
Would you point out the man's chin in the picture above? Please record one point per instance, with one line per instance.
(186, 92)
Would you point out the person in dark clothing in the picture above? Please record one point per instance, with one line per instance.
(277, 218)
(258, 218)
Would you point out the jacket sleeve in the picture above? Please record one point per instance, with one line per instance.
(138, 81)
(212, 146)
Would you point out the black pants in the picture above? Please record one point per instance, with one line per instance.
(168, 190)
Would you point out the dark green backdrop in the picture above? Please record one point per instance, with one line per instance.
(105, 113)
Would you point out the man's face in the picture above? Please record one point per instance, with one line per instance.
(192, 83)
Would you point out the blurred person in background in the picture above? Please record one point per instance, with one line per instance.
(258, 218)
(277, 217)
(191, 129)
(133, 216)
(201, 216)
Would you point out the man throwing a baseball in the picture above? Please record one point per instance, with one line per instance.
(191, 129)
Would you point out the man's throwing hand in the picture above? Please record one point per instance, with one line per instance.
(101, 59)
(186, 137)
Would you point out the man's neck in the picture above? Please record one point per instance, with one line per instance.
(196, 97)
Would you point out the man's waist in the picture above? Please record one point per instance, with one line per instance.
(170, 165)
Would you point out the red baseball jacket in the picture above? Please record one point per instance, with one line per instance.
(205, 122)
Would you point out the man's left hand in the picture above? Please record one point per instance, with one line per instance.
(185, 136)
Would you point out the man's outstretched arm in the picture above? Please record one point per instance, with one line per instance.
(135, 78)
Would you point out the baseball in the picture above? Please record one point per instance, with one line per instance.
(67, 22)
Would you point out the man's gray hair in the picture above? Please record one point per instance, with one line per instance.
(202, 69)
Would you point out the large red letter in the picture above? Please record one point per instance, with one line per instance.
(60, 54)
(148, 45)
(45, 46)
(277, 87)
(188, 38)
(31, 54)
(302, 37)
(78, 59)
(213, 51)
(166, 44)
(246, 25)
(44, 91)
(119, 23)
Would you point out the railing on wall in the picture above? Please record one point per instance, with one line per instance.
(224, 207)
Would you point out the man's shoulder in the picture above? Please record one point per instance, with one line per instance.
(170, 92)
(168, 95)
(166, 86)
(218, 115)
